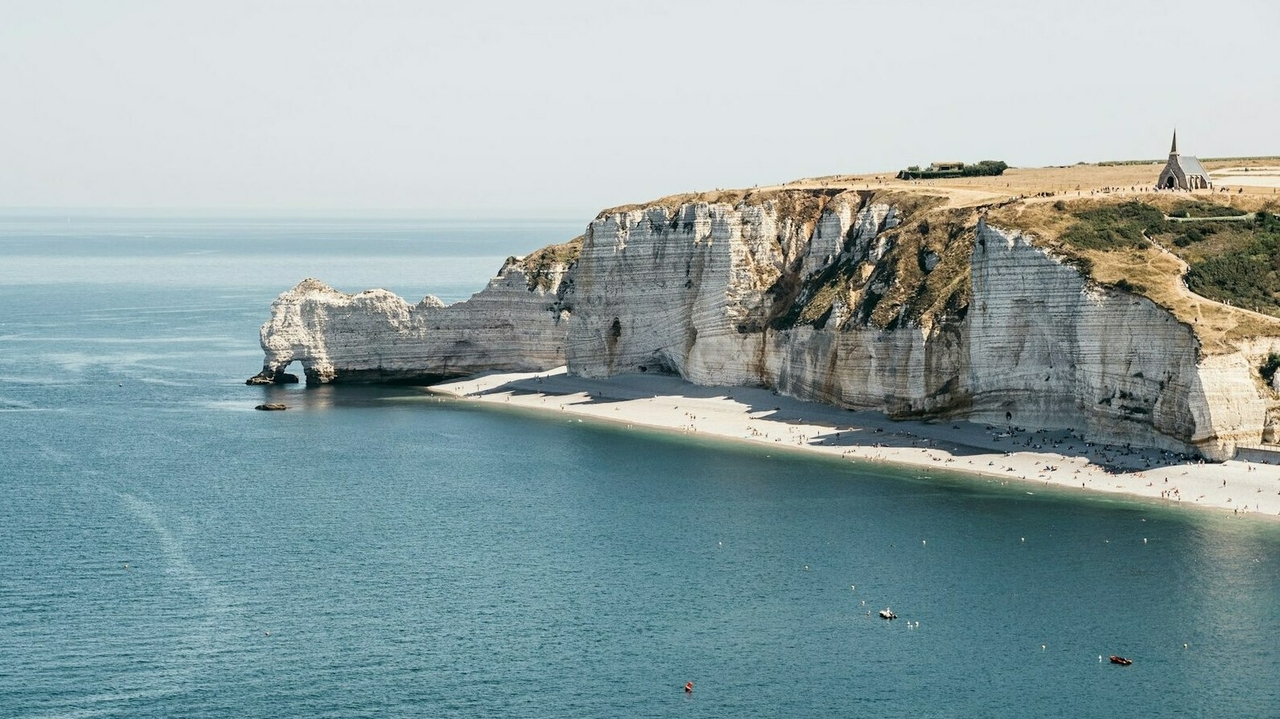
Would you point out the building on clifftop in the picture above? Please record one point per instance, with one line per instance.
(1183, 172)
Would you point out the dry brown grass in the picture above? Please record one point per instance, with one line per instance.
(1159, 273)
(1081, 178)
(542, 266)
(1078, 180)
(1045, 220)
(1154, 272)
(897, 288)
(1071, 182)
(1014, 200)
(927, 297)
(793, 199)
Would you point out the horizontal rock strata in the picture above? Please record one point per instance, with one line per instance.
(517, 323)
(850, 298)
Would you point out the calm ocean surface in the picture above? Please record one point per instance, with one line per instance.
(169, 552)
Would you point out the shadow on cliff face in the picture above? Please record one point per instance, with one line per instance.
(850, 428)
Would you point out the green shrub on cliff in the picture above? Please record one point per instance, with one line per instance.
(1115, 227)
(1270, 366)
(1201, 208)
(1234, 262)
(543, 266)
(922, 279)
(1127, 286)
(1242, 269)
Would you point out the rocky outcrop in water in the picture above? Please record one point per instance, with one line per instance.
(517, 323)
(855, 298)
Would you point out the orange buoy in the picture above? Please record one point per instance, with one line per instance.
(688, 688)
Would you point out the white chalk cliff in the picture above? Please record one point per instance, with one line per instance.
(517, 323)
(830, 296)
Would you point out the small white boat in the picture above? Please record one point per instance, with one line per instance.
(887, 613)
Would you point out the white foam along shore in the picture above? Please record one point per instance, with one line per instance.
(1053, 457)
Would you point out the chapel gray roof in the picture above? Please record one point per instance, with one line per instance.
(1191, 165)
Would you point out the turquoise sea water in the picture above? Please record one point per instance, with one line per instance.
(169, 552)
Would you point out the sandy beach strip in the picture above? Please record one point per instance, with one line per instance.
(759, 416)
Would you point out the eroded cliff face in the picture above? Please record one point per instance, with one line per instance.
(713, 292)
(850, 298)
(689, 289)
(1053, 350)
(517, 323)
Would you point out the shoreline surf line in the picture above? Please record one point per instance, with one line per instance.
(761, 417)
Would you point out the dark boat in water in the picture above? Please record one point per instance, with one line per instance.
(1121, 661)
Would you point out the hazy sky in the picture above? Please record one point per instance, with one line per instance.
(564, 107)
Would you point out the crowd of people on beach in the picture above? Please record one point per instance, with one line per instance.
(1050, 456)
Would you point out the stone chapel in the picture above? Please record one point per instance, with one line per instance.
(1183, 172)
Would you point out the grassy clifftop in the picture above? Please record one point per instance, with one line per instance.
(543, 268)
(1212, 260)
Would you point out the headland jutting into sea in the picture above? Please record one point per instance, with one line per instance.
(1073, 325)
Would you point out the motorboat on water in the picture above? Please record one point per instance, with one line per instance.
(1121, 661)
(887, 613)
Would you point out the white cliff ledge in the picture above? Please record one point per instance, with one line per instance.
(859, 299)
(517, 323)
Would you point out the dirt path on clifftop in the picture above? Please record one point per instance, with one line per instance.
(956, 196)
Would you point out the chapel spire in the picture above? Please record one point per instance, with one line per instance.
(1183, 173)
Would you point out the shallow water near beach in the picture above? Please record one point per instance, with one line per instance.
(168, 551)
